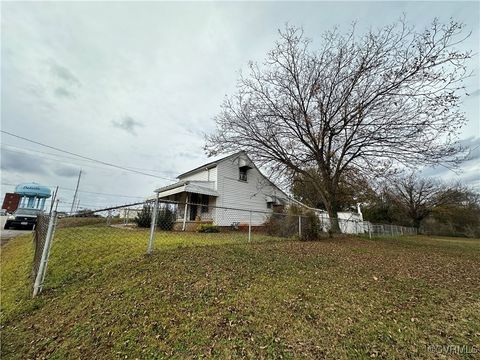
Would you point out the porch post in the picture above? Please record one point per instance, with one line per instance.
(250, 226)
(299, 226)
(185, 214)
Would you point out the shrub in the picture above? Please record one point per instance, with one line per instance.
(281, 224)
(166, 218)
(310, 226)
(286, 224)
(207, 228)
(144, 217)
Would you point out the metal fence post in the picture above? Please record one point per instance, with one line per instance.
(152, 227)
(52, 235)
(37, 287)
(185, 215)
(250, 226)
(299, 226)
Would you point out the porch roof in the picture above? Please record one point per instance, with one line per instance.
(198, 187)
(275, 199)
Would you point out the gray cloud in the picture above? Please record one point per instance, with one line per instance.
(128, 124)
(64, 74)
(66, 171)
(62, 92)
(68, 66)
(473, 146)
(193, 155)
(471, 178)
(67, 83)
(23, 163)
(469, 170)
(475, 93)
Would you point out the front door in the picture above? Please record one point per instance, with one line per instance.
(193, 208)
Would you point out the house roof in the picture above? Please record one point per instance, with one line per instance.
(214, 163)
(209, 165)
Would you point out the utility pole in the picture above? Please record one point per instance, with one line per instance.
(76, 191)
(54, 197)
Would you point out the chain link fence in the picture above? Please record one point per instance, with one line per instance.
(42, 239)
(159, 223)
(39, 238)
(388, 230)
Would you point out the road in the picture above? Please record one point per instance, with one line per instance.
(7, 235)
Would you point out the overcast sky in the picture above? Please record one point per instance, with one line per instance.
(137, 84)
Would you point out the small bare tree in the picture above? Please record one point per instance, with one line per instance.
(417, 196)
(367, 103)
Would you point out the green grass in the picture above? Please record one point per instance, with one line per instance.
(215, 295)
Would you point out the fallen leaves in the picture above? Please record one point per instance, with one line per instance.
(277, 299)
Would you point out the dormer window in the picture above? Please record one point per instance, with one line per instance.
(242, 173)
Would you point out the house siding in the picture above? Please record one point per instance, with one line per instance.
(203, 175)
(249, 195)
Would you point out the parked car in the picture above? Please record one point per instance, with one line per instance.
(22, 218)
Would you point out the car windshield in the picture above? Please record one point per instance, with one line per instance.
(27, 212)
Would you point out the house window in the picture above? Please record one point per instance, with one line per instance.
(204, 203)
(242, 174)
(269, 205)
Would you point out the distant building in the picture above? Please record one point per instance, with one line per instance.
(30, 199)
(32, 195)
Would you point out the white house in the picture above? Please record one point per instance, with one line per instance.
(217, 190)
(231, 182)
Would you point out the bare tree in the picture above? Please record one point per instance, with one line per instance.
(353, 188)
(366, 102)
(417, 196)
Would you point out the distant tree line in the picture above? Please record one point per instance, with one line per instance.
(432, 206)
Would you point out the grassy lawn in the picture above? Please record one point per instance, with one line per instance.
(215, 295)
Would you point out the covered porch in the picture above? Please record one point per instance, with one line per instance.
(195, 199)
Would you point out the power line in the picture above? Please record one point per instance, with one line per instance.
(89, 192)
(29, 151)
(110, 207)
(50, 159)
(56, 160)
(65, 204)
(107, 194)
(86, 157)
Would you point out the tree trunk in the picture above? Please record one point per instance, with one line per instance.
(332, 209)
(329, 190)
(416, 223)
